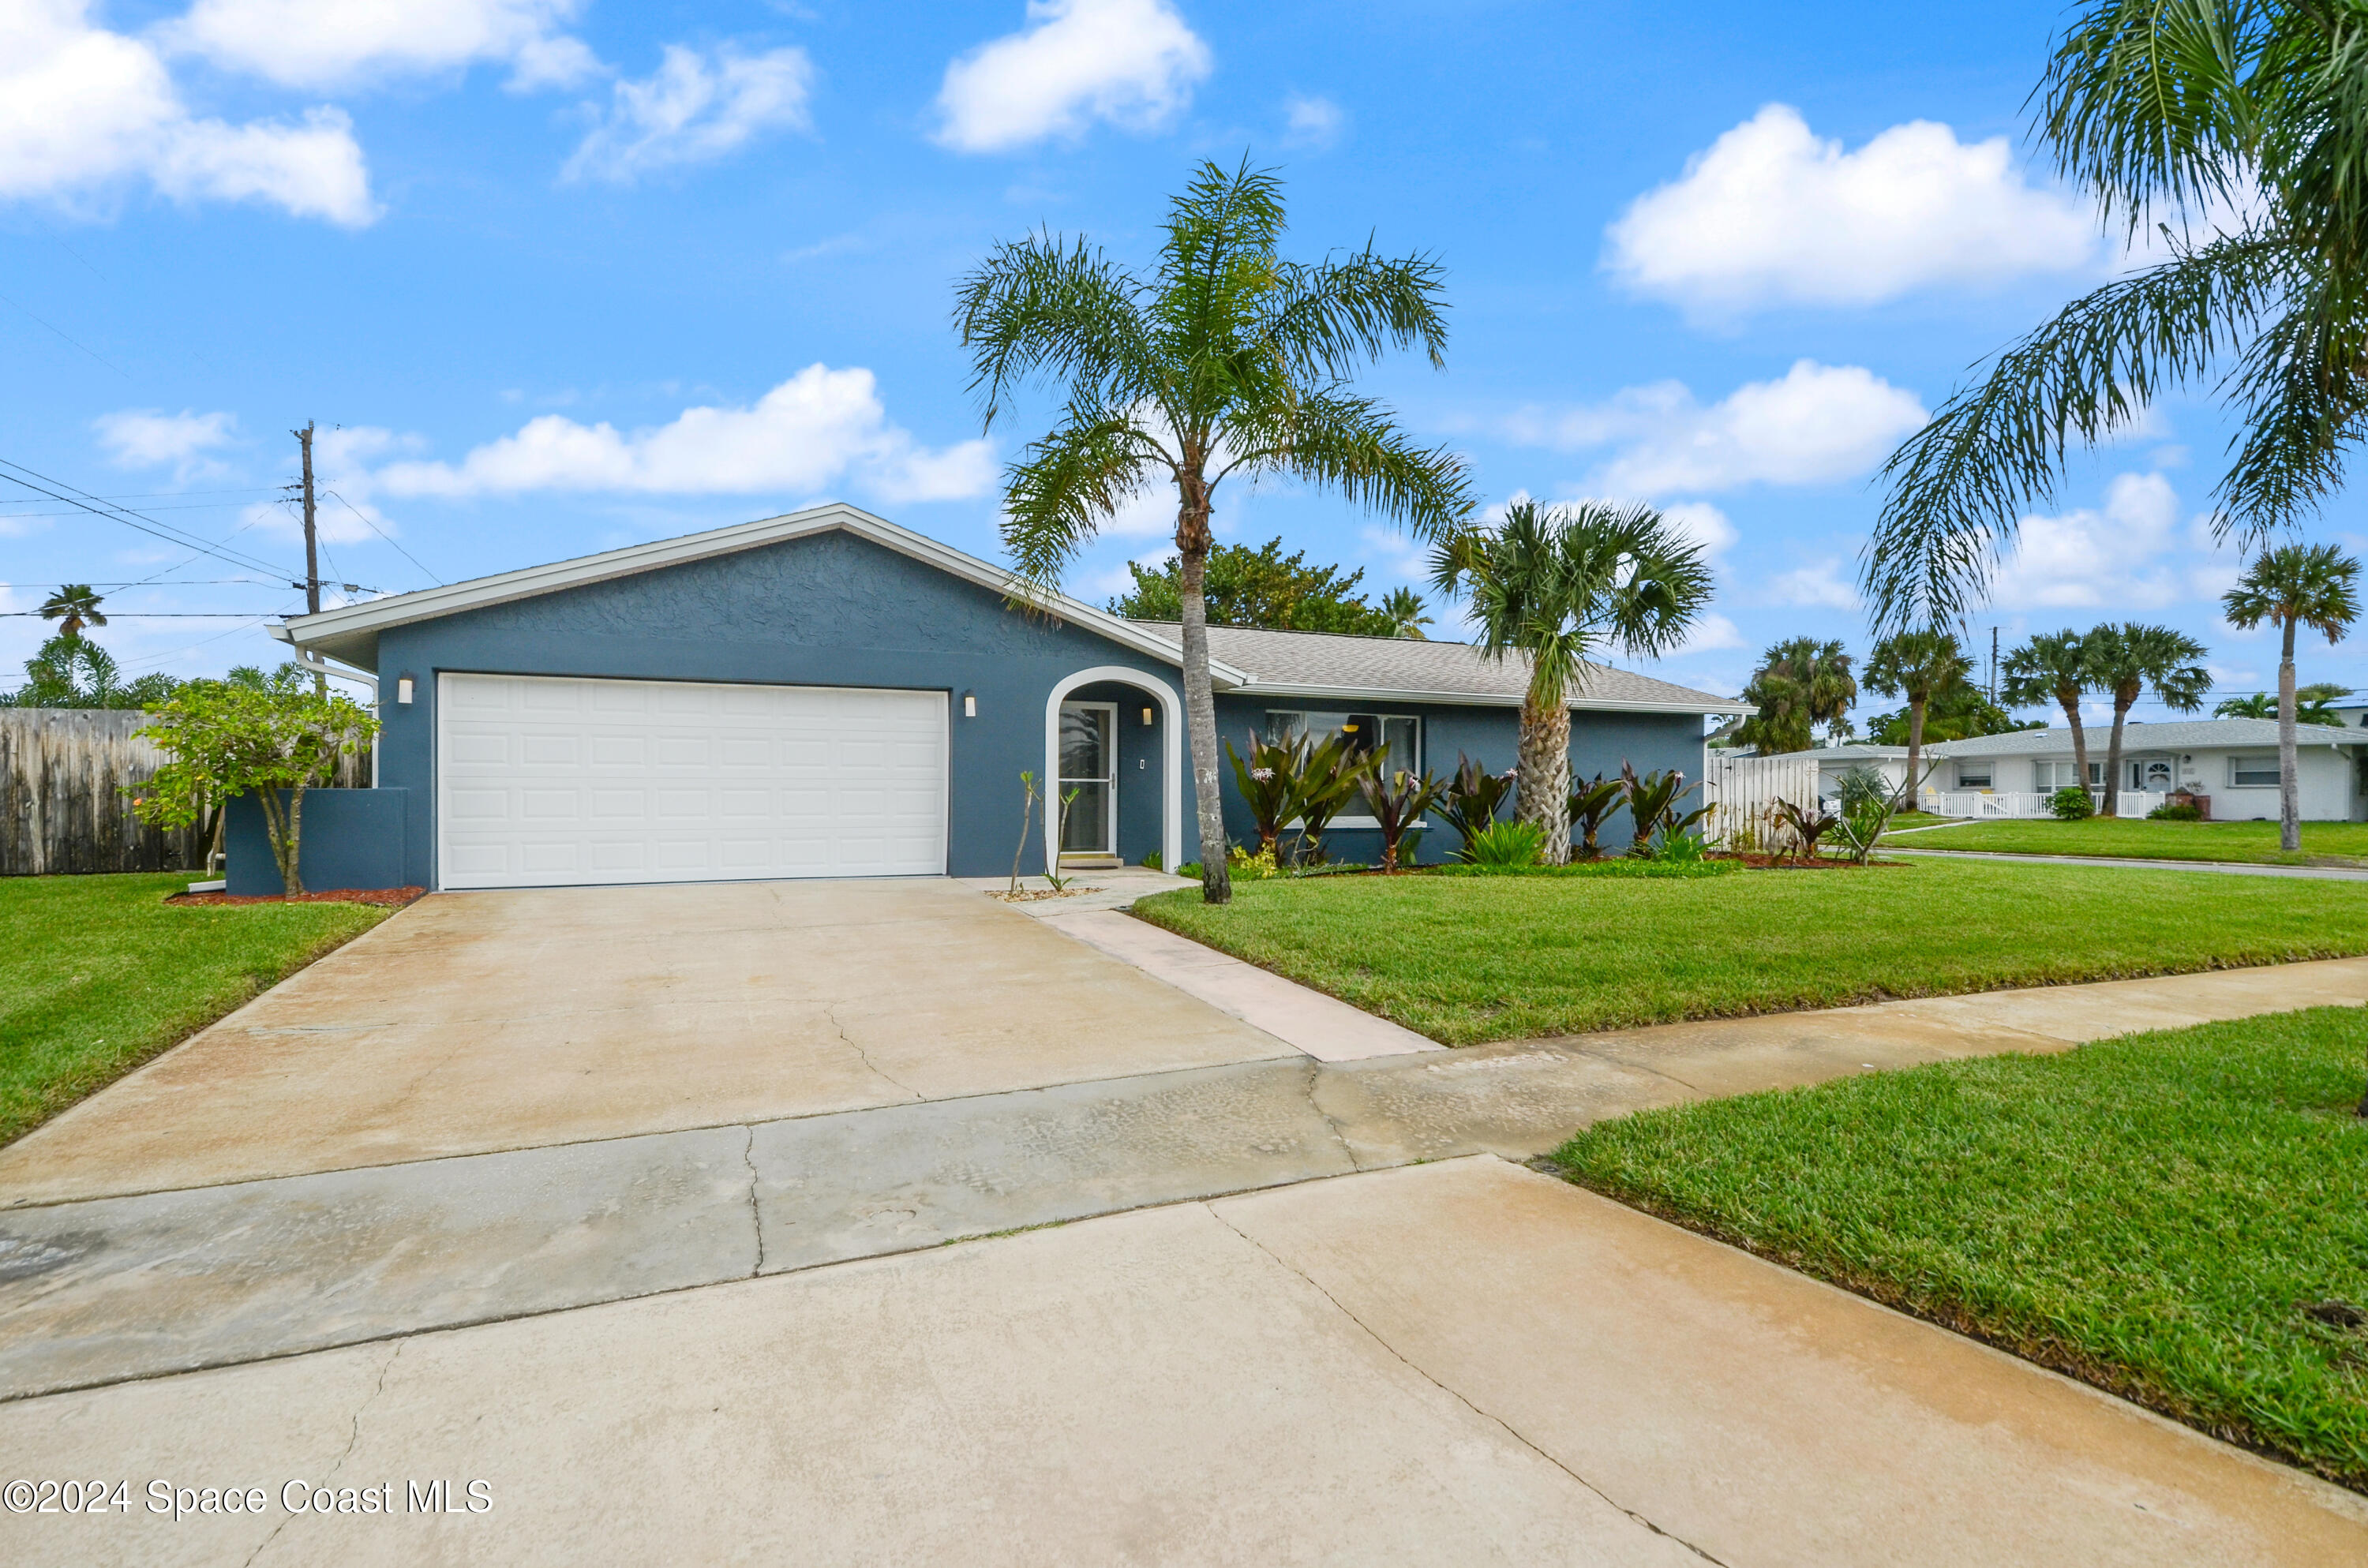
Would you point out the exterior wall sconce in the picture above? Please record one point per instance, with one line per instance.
(402, 689)
(970, 705)
(1146, 715)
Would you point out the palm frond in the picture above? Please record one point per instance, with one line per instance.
(1325, 320)
(1063, 488)
(1342, 441)
(1062, 310)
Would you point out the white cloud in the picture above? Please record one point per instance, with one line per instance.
(1130, 62)
(1710, 632)
(1772, 214)
(83, 110)
(2120, 557)
(303, 43)
(1817, 585)
(1816, 424)
(1704, 525)
(817, 429)
(147, 437)
(1314, 122)
(694, 108)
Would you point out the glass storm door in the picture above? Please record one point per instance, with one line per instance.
(1089, 765)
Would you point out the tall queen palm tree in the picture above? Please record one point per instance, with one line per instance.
(1225, 360)
(2296, 584)
(2166, 111)
(1555, 584)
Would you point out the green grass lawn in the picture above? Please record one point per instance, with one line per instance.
(2323, 843)
(99, 973)
(2148, 1213)
(1466, 959)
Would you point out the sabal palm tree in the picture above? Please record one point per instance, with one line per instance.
(2313, 705)
(2162, 111)
(2295, 585)
(1223, 359)
(2126, 660)
(72, 607)
(1919, 666)
(1407, 616)
(1801, 683)
(1556, 585)
(2054, 667)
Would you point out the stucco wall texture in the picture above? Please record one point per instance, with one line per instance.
(834, 610)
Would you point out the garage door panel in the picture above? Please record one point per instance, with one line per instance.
(547, 781)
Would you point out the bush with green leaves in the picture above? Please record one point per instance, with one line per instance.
(2171, 811)
(1270, 782)
(1508, 845)
(1250, 865)
(1652, 800)
(72, 671)
(1807, 824)
(1591, 805)
(226, 739)
(2072, 803)
(1329, 777)
(1397, 801)
(1471, 800)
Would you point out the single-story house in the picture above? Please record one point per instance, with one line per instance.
(1833, 762)
(2232, 761)
(825, 694)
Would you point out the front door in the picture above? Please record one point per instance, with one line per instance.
(1089, 768)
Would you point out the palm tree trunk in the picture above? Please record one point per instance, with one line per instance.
(2112, 804)
(2079, 738)
(1544, 782)
(1200, 710)
(1907, 789)
(2289, 765)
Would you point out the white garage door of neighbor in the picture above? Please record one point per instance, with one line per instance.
(551, 782)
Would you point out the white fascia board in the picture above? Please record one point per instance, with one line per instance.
(429, 604)
(1372, 695)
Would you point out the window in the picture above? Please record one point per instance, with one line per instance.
(2049, 777)
(2252, 772)
(1401, 734)
(1973, 775)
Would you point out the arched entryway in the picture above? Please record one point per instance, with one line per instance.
(1124, 699)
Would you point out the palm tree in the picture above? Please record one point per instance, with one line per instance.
(2053, 667)
(1555, 584)
(2127, 659)
(1801, 683)
(73, 607)
(1919, 666)
(2162, 109)
(1224, 360)
(2295, 584)
(1404, 609)
(2312, 705)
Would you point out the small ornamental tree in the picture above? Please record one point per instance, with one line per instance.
(227, 740)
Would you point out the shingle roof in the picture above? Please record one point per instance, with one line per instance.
(1321, 663)
(2189, 734)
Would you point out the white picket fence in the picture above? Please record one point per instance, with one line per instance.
(1742, 792)
(1978, 803)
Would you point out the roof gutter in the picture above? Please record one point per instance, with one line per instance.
(1479, 698)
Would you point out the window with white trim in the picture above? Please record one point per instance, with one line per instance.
(1974, 775)
(1401, 734)
(2048, 776)
(2253, 772)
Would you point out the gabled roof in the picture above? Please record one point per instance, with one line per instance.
(2186, 735)
(1322, 665)
(349, 633)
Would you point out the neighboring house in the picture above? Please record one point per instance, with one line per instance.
(2233, 761)
(1834, 761)
(827, 693)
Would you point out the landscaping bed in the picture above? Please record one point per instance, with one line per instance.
(1464, 957)
(2323, 843)
(385, 898)
(101, 974)
(2180, 1218)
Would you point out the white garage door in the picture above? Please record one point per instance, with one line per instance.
(547, 782)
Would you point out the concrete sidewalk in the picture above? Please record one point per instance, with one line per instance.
(1454, 1363)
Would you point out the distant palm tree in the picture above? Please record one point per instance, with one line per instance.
(1225, 359)
(2053, 667)
(1556, 584)
(2313, 705)
(2295, 584)
(73, 607)
(2127, 659)
(1920, 666)
(1404, 609)
(1801, 684)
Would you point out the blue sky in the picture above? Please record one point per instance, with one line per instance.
(566, 276)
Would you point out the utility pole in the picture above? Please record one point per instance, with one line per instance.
(311, 546)
(1992, 660)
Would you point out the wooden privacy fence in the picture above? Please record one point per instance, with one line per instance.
(64, 807)
(1742, 792)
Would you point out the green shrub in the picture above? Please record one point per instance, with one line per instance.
(2169, 813)
(1247, 865)
(2072, 803)
(1508, 845)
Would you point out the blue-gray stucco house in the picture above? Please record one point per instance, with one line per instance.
(828, 694)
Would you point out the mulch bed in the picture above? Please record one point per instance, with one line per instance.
(391, 898)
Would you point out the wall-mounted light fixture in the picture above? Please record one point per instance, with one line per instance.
(970, 705)
(402, 689)
(1146, 715)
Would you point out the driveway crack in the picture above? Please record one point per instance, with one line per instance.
(1339, 1133)
(1496, 1421)
(756, 1214)
(353, 1440)
(832, 1013)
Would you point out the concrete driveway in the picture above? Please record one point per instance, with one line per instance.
(482, 1021)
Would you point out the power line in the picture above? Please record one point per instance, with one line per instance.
(114, 616)
(183, 583)
(92, 352)
(384, 535)
(83, 501)
(194, 507)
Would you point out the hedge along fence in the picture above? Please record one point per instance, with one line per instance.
(64, 774)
